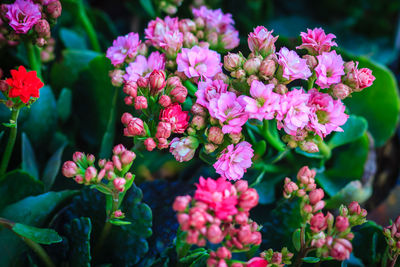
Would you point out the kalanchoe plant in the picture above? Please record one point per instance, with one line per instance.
(392, 235)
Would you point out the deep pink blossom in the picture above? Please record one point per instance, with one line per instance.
(143, 67)
(264, 102)
(199, 62)
(341, 249)
(158, 28)
(329, 69)
(326, 114)
(123, 47)
(365, 78)
(178, 118)
(234, 161)
(316, 41)
(23, 15)
(293, 66)
(262, 41)
(229, 111)
(208, 90)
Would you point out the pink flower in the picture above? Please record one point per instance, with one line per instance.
(329, 69)
(227, 109)
(230, 39)
(172, 42)
(143, 67)
(341, 249)
(183, 148)
(262, 41)
(181, 203)
(69, 169)
(199, 62)
(234, 161)
(257, 262)
(123, 46)
(178, 119)
(342, 223)
(208, 90)
(327, 114)
(219, 195)
(365, 78)
(157, 29)
(318, 222)
(293, 66)
(23, 15)
(214, 19)
(263, 103)
(293, 114)
(316, 195)
(316, 41)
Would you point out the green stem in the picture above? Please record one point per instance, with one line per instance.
(265, 167)
(274, 141)
(87, 25)
(34, 61)
(325, 149)
(392, 262)
(108, 137)
(11, 141)
(192, 89)
(311, 82)
(39, 251)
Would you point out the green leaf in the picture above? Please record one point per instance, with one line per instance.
(17, 185)
(148, 7)
(353, 191)
(72, 40)
(193, 255)
(52, 167)
(266, 191)
(296, 239)
(101, 189)
(311, 259)
(260, 148)
(78, 234)
(379, 104)
(39, 235)
(32, 211)
(108, 137)
(354, 128)
(1, 135)
(119, 222)
(201, 261)
(64, 104)
(28, 158)
(9, 124)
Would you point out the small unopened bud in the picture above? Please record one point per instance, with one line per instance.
(173, 82)
(117, 77)
(142, 82)
(130, 88)
(198, 110)
(150, 144)
(90, 158)
(181, 203)
(119, 184)
(140, 102)
(157, 81)
(341, 91)
(342, 223)
(69, 169)
(40, 42)
(241, 186)
(252, 65)
(224, 253)
(4, 86)
(78, 179)
(233, 62)
(309, 147)
(238, 74)
(78, 156)
(210, 147)
(126, 118)
(134, 127)
(316, 195)
(179, 94)
(90, 173)
(128, 100)
(235, 137)
(163, 130)
(162, 143)
(267, 68)
(42, 28)
(215, 135)
(251, 79)
(142, 49)
(118, 214)
(127, 157)
(280, 89)
(354, 208)
(199, 22)
(311, 61)
(189, 39)
(54, 9)
(198, 122)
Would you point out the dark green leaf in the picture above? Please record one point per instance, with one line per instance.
(9, 124)
(201, 261)
(311, 259)
(266, 191)
(296, 239)
(193, 255)
(353, 191)
(107, 141)
(354, 128)
(148, 7)
(72, 40)
(17, 185)
(1, 135)
(52, 168)
(39, 235)
(28, 158)
(78, 234)
(119, 222)
(64, 104)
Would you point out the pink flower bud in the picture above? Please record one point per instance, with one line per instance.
(235, 137)
(248, 199)
(128, 100)
(150, 144)
(90, 173)
(118, 214)
(267, 68)
(341, 91)
(135, 127)
(365, 78)
(241, 186)
(318, 223)
(126, 118)
(162, 143)
(189, 39)
(69, 169)
(101, 175)
(130, 88)
(117, 163)
(241, 218)
(179, 94)
(142, 82)
(90, 158)
(276, 258)
(198, 110)
(307, 208)
(140, 102)
(128, 176)
(289, 187)
(164, 101)
(157, 81)
(306, 176)
(78, 179)
(192, 236)
(232, 62)
(215, 135)
(142, 49)
(183, 220)
(173, 82)
(354, 208)
(309, 147)
(42, 28)
(311, 61)
(316, 195)
(252, 65)
(341, 249)
(280, 89)
(78, 156)
(214, 234)
(118, 149)
(210, 148)
(3, 86)
(238, 74)
(54, 9)
(127, 157)
(198, 122)
(319, 206)
(163, 130)
(257, 262)
(342, 223)
(181, 203)
(223, 253)
(119, 184)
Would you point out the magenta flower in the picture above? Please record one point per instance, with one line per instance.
(143, 67)
(329, 69)
(262, 41)
(326, 115)
(234, 161)
(293, 113)
(158, 28)
(293, 66)
(123, 46)
(199, 62)
(208, 90)
(316, 41)
(214, 19)
(183, 148)
(230, 39)
(264, 102)
(172, 42)
(229, 111)
(23, 15)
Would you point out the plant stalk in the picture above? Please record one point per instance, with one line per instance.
(87, 25)
(392, 262)
(38, 249)
(11, 141)
(34, 62)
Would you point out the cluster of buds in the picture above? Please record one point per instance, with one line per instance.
(392, 235)
(28, 17)
(169, 6)
(271, 259)
(219, 213)
(328, 235)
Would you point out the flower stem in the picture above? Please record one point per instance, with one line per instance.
(11, 141)
(34, 61)
(392, 262)
(87, 25)
(108, 137)
(325, 149)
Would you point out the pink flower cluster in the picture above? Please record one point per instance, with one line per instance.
(316, 41)
(219, 213)
(124, 48)
(328, 235)
(392, 235)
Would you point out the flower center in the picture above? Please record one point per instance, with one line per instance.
(323, 116)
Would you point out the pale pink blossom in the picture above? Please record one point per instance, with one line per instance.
(264, 102)
(123, 47)
(214, 19)
(329, 70)
(365, 78)
(199, 62)
(326, 114)
(262, 41)
(183, 148)
(208, 90)
(316, 41)
(23, 15)
(341, 249)
(157, 29)
(293, 66)
(142, 67)
(234, 161)
(229, 111)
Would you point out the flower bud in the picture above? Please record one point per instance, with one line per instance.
(157, 81)
(309, 147)
(316, 195)
(241, 218)
(251, 79)
(252, 65)
(214, 234)
(3, 86)
(199, 22)
(127, 157)
(311, 61)
(212, 39)
(241, 186)
(224, 253)
(238, 74)
(134, 127)
(181, 203)
(341, 91)
(187, 25)
(164, 101)
(78, 179)
(280, 89)
(267, 68)
(189, 40)
(42, 28)
(119, 184)
(307, 208)
(118, 149)
(210, 148)
(78, 156)
(163, 130)
(130, 88)
(179, 94)
(235, 137)
(54, 9)
(248, 199)
(118, 214)
(183, 220)
(142, 49)
(365, 78)
(183, 148)
(126, 118)
(276, 258)
(69, 169)
(198, 122)
(140, 102)
(354, 208)
(128, 100)
(117, 163)
(90, 173)
(215, 135)
(198, 110)
(150, 144)
(233, 62)
(319, 206)
(40, 42)
(342, 223)
(192, 236)
(173, 82)
(90, 158)
(318, 223)
(142, 82)
(116, 77)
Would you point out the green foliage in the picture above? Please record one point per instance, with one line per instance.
(38, 235)
(64, 104)
(72, 40)
(52, 167)
(28, 158)
(354, 128)
(78, 233)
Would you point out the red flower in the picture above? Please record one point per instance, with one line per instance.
(178, 119)
(24, 84)
(257, 262)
